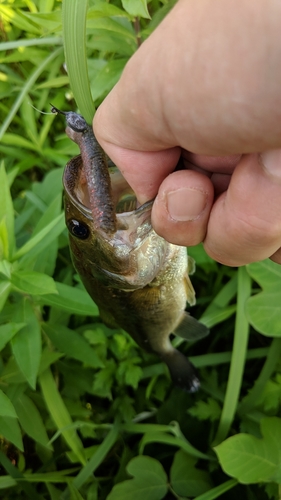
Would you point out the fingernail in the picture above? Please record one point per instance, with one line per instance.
(271, 160)
(186, 204)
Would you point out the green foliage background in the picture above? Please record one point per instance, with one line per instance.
(84, 413)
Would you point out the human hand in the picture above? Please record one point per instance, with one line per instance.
(206, 87)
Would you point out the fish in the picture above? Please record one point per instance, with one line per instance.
(139, 281)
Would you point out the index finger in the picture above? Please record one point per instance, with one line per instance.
(144, 170)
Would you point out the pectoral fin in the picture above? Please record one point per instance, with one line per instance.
(189, 290)
(190, 329)
(107, 319)
(191, 265)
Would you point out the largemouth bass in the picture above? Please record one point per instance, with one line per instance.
(138, 280)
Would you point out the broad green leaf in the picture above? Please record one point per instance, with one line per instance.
(7, 482)
(60, 476)
(217, 315)
(10, 430)
(8, 331)
(12, 374)
(59, 81)
(107, 77)
(266, 273)
(206, 410)
(264, 313)
(48, 358)
(28, 117)
(60, 414)
(104, 9)
(6, 214)
(179, 442)
(5, 288)
(186, 480)
(104, 380)
(136, 8)
(73, 345)
(6, 407)
(72, 300)
(18, 19)
(42, 239)
(26, 344)
(149, 481)
(253, 460)
(4, 240)
(112, 42)
(74, 493)
(112, 26)
(264, 309)
(23, 54)
(133, 375)
(33, 283)
(270, 397)
(18, 141)
(31, 420)
(51, 193)
(51, 21)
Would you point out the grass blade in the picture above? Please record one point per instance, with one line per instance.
(60, 414)
(15, 44)
(74, 14)
(57, 223)
(238, 359)
(98, 457)
(218, 490)
(26, 88)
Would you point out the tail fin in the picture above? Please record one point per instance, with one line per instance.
(182, 371)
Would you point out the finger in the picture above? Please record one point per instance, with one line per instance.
(276, 257)
(245, 222)
(164, 98)
(218, 164)
(181, 209)
(144, 170)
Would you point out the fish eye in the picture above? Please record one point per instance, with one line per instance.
(78, 229)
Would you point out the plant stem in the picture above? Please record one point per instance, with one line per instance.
(238, 358)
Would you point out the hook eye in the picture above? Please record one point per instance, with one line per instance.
(78, 229)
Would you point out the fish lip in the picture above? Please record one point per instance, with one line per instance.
(86, 211)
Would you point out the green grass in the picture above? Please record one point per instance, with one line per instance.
(84, 413)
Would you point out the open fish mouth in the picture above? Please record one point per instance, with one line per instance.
(130, 215)
(75, 182)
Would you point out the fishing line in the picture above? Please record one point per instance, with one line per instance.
(42, 112)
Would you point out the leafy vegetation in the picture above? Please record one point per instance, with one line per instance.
(84, 413)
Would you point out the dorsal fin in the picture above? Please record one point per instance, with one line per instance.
(190, 329)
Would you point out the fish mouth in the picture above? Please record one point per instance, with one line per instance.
(125, 201)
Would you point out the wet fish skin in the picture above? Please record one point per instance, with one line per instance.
(138, 280)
